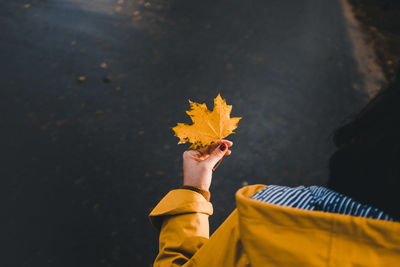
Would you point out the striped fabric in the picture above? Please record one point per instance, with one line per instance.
(317, 198)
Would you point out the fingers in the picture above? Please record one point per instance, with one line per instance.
(218, 143)
(205, 152)
(218, 152)
(227, 142)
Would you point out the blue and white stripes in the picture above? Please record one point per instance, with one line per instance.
(317, 198)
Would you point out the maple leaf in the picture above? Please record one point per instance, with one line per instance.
(208, 126)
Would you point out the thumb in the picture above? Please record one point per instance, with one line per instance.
(217, 154)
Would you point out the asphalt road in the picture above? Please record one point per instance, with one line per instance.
(83, 163)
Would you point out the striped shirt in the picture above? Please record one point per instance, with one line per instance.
(317, 198)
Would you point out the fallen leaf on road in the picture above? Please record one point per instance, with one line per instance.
(208, 126)
(31, 115)
(27, 5)
(107, 79)
(61, 122)
(113, 234)
(81, 79)
(96, 207)
(157, 55)
(103, 65)
(44, 127)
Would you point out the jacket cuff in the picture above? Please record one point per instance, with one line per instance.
(179, 201)
(206, 194)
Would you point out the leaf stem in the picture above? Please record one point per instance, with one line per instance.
(216, 166)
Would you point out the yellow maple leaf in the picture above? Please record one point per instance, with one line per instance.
(208, 126)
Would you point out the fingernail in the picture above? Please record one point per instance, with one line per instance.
(222, 147)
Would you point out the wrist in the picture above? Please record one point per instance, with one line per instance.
(202, 186)
(205, 193)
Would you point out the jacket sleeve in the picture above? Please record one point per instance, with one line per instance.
(182, 218)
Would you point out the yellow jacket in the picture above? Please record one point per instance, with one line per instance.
(262, 234)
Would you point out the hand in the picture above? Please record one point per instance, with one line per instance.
(198, 164)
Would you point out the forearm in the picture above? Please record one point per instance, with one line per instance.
(182, 215)
(182, 218)
(180, 237)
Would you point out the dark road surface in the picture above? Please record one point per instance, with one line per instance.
(83, 163)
